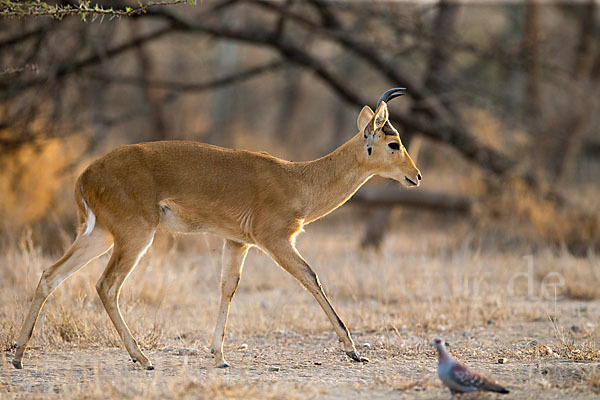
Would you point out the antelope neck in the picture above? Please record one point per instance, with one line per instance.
(332, 179)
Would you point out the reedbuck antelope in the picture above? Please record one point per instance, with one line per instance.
(250, 199)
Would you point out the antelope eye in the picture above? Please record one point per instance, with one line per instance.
(394, 146)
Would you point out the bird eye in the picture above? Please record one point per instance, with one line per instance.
(394, 146)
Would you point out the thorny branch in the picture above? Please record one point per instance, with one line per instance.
(84, 9)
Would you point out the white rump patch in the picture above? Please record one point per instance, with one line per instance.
(90, 221)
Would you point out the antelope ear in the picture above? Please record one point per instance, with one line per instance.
(381, 116)
(365, 116)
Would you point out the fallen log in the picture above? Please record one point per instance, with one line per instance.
(422, 198)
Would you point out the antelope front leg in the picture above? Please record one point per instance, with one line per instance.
(234, 254)
(288, 257)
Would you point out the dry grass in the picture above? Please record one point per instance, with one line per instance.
(429, 280)
(593, 381)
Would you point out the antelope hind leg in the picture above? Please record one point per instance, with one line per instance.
(125, 257)
(84, 249)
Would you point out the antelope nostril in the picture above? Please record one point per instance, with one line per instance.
(419, 176)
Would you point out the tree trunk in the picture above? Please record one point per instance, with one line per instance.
(569, 144)
(158, 127)
(531, 53)
(224, 105)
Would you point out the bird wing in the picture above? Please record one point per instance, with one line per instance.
(472, 380)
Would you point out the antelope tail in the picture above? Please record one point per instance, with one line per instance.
(90, 218)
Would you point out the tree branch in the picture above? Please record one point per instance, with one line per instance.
(36, 8)
(190, 87)
(438, 124)
(436, 129)
(61, 72)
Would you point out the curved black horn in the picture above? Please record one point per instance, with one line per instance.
(390, 94)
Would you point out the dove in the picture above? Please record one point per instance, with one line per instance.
(458, 378)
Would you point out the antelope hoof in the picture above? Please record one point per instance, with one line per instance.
(223, 365)
(146, 364)
(356, 357)
(17, 364)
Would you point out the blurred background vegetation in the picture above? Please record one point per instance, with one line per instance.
(502, 112)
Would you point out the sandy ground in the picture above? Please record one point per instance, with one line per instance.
(287, 364)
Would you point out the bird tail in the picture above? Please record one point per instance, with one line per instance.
(494, 387)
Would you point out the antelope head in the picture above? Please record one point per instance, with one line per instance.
(385, 152)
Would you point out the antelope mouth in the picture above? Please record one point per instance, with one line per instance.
(410, 181)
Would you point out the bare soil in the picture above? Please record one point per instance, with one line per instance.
(290, 365)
